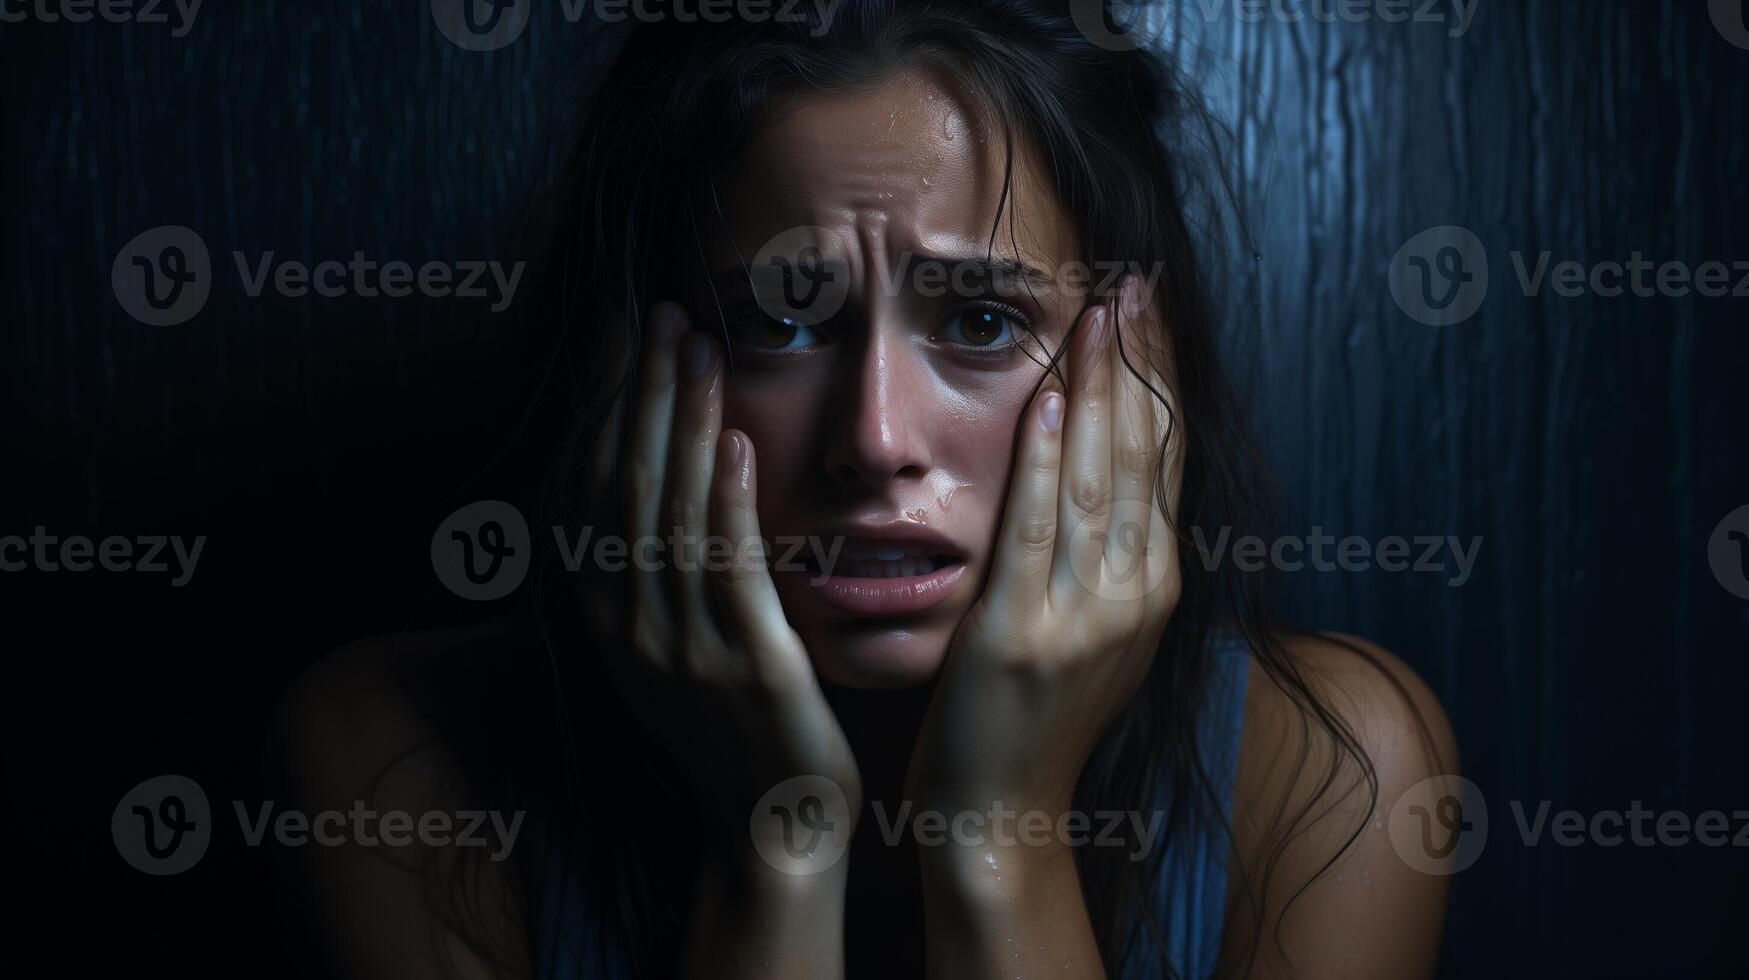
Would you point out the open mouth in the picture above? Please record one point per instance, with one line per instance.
(864, 561)
(865, 577)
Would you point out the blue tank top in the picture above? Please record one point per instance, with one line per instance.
(1190, 895)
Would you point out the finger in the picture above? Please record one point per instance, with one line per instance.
(1136, 437)
(743, 587)
(649, 456)
(1020, 577)
(1084, 490)
(698, 417)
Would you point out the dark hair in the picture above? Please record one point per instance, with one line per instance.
(1134, 156)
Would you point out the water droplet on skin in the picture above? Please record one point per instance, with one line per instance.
(926, 182)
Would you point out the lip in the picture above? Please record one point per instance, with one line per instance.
(907, 595)
(903, 596)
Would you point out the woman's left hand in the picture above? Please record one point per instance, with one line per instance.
(1085, 577)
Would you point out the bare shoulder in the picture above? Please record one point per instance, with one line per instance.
(1387, 707)
(1332, 738)
(364, 731)
(356, 708)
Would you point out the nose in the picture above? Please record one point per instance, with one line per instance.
(883, 435)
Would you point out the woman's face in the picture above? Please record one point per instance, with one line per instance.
(883, 412)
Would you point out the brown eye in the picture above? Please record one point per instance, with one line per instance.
(982, 327)
(763, 332)
(775, 333)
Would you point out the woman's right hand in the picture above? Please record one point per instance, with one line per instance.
(713, 667)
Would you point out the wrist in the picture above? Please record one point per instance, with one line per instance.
(750, 919)
(743, 870)
(981, 902)
(995, 857)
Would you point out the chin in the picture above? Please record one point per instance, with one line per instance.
(871, 656)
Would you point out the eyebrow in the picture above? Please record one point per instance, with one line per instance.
(998, 268)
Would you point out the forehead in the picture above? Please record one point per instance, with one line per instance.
(907, 163)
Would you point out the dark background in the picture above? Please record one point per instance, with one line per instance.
(1594, 444)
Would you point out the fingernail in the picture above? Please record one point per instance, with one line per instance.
(666, 322)
(1050, 414)
(734, 449)
(696, 352)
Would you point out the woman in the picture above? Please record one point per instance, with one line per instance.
(914, 283)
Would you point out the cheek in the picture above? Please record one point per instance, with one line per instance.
(777, 418)
(977, 446)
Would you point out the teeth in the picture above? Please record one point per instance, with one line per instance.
(906, 565)
(867, 553)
